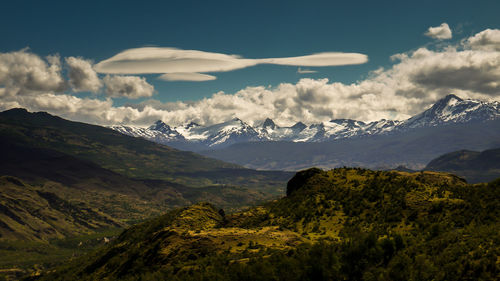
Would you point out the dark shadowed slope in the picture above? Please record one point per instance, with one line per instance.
(129, 156)
(472, 165)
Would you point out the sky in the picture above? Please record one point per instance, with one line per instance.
(130, 62)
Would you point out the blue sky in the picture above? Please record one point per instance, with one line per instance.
(98, 30)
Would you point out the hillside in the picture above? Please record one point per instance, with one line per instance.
(29, 213)
(472, 165)
(91, 157)
(79, 183)
(129, 156)
(83, 182)
(344, 224)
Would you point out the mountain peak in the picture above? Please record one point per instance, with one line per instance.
(452, 96)
(269, 123)
(448, 100)
(18, 110)
(161, 126)
(299, 126)
(443, 103)
(192, 125)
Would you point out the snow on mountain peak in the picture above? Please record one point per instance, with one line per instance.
(448, 110)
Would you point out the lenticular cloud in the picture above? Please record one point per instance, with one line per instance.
(192, 62)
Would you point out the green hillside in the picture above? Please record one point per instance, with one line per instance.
(472, 165)
(344, 224)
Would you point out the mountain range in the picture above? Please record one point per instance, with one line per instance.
(451, 124)
(449, 110)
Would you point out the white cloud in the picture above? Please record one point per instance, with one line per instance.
(22, 72)
(321, 59)
(415, 81)
(305, 71)
(197, 77)
(171, 60)
(488, 40)
(131, 87)
(439, 32)
(82, 76)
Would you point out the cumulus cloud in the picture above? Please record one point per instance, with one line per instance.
(197, 77)
(22, 72)
(131, 87)
(488, 40)
(82, 76)
(415, 81)
(439, 32)
(305, 71)
(171, 60)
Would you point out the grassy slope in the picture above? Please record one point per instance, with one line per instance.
(347, 224)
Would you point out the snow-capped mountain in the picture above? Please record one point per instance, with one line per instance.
(448, 110)
(158, 132)
(453, 109)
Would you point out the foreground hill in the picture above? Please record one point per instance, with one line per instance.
(344, 224)
(472, 165)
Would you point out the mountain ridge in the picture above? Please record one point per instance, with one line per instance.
(474, 166)
(448, 110)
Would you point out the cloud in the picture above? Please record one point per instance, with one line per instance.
(305, 71)
(488, 40)
(439, 32)
(171, 60)
(185, 76)
(415, 81)
(22, 72)
(82, 76)
(466, 70)
(321, 59)
(131, 87)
